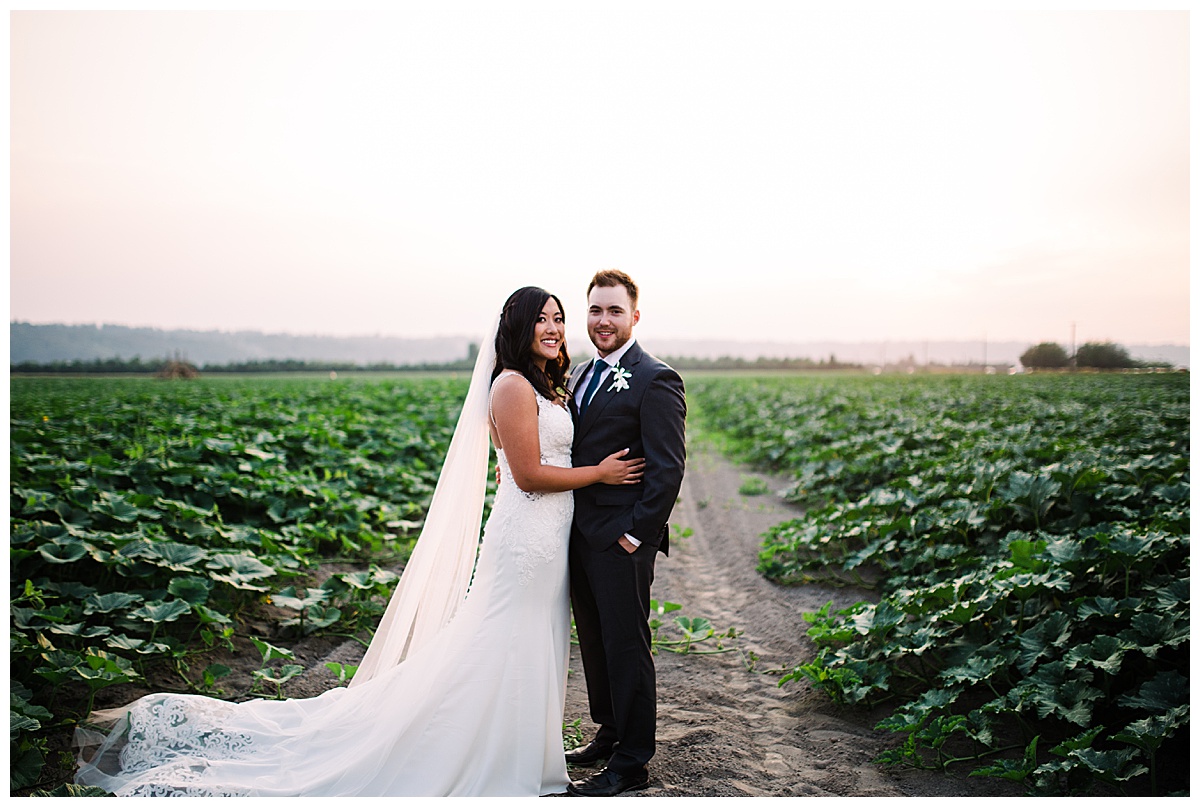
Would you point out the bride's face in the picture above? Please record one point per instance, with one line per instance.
(548, 333)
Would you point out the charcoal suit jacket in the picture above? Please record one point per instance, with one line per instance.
(648, 419)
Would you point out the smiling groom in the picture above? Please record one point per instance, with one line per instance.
(626, 398)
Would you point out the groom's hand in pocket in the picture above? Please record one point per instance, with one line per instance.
(627, 545)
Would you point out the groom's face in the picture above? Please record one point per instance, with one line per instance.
(611, 318)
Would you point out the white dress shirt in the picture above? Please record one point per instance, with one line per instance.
(604, 366)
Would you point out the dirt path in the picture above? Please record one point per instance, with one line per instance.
(724, 730)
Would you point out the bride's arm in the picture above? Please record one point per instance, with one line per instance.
(515, 412)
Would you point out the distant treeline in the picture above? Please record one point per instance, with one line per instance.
(137, 365)
(1043, 356)
(760, 363)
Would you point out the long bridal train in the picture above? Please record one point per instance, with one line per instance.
(468, 706)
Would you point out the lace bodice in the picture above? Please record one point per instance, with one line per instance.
(525, 522)
(556, 431)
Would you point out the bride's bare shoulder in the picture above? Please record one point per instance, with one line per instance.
(513, 403)
(511, 386)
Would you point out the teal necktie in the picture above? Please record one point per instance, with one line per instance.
(597, 371)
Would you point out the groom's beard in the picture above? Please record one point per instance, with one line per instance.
(615, 346)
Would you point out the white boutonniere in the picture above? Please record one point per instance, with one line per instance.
(621, 378)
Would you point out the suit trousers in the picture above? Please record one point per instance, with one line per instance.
(610, 598)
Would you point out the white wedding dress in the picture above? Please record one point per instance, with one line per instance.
(477, 711)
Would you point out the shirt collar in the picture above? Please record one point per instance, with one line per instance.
(614, 358)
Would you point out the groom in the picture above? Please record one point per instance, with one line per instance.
(626, 398)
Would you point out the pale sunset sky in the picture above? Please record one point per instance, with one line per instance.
(765, 171)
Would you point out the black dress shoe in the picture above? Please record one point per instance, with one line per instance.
(609, 783)
(589, 754)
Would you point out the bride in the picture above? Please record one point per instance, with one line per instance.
(462, 689)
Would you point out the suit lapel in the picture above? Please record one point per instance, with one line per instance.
(576, 373)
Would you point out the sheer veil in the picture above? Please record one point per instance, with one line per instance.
(436, 577)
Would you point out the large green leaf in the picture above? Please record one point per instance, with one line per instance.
(1174, 595)
(975, 670)
(18, 723)
(70, 589)
(1043, 640)
(286, 673)
(1024, 554)
(315, 618)
(1112, 766)
(140, 646)
(175, 556)
(1133, 546)
(1149, 632)
(107, 603)
(36, 501)
(219, 445)
(1166, 690)
(1015, 770)
(161, 611)
(103, 669)
(63, 550)
(210, 615)
(1031, 495)
(28, 618)
(269, 651)
(116, 507)
(877, 618)
(192, 590)
(933, 700)
(239, 570)
(25, 766)
(1064, 692)
(1150, 732)
(1082, 740)
(1105, 653)
(1064, 551)
(288, 598)
(19, 698)
(1098, 607)
(81, 630)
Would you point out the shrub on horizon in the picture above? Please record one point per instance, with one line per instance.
(1045, 354)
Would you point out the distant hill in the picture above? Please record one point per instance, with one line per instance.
(48, 343)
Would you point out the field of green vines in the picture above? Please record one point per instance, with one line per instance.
(1027, 541)
(150, 518)
(153, 522)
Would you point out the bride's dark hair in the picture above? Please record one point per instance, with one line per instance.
(514, 341)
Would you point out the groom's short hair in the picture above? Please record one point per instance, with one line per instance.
(615, 277)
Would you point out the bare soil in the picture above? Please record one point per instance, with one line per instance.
(725, 728)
